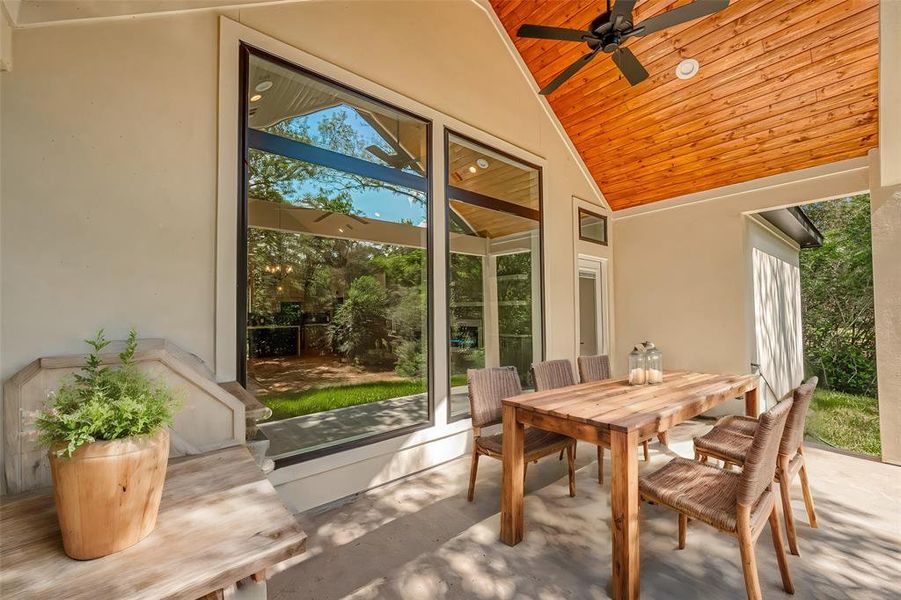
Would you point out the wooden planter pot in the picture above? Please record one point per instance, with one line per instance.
(108, 493)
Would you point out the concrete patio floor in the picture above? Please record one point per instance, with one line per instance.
(421, 539)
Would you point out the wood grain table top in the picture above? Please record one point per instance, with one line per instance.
(220, 521)
(615, 405)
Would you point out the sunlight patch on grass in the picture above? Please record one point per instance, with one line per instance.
(338, 396)
(845, 421)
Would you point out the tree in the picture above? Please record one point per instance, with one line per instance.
(360, 326)
(837, 297)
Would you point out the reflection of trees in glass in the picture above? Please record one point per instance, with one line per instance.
(382, 285)
(359, 328)
(466, 313)
(514, 293)
(514, 311)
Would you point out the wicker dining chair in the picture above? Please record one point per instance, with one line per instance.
(552, 374)
(730, 440)
(487, 389)
(597, 368)
(739, 504)
(594, 368)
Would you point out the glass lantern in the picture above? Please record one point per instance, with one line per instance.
(654, 363)
(638, 364)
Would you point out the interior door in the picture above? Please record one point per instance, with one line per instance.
(591, 308)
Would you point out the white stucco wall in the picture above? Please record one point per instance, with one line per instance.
(684, 271)
(109, 181)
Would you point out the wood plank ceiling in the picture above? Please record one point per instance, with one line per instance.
(783, 85)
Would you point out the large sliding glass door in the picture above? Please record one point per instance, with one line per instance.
(335, 261)
(494, 265)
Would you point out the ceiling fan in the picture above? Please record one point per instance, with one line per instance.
(610, 29)
(397, 160)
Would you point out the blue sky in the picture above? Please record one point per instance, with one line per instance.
(373, 203)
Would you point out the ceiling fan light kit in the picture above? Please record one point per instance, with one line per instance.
(611, 29)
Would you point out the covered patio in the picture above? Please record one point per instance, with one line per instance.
(421, 539)
(446, 299)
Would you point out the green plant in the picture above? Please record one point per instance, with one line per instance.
(360, 324)
(837, 296)
(410, 359)
(103, 403)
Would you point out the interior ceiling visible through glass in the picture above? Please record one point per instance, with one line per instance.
(477, 169)
(286, 102)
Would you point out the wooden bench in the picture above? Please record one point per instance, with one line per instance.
(220, 521)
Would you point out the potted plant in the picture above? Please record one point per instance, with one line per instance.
(105, 430)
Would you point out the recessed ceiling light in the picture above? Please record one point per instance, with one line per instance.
(256, 97)
(340, 230)
(263, 86)
(483, 164)
(687, 69)
(378, 214)
(472, 169)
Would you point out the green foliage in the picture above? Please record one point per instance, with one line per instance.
(846, 421)
(104, 404)
(514, 293)
(837, 297)
(360, 324)
(410, 359)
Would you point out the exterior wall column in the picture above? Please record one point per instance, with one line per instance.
(885, 221)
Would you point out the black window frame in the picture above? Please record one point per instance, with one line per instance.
(489, 202)
(603, 218)
(345, 163)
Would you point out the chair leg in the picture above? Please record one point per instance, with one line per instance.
(647, 452)
(663, 438)
(776, 532)
(683, 529)
(525, 469)
(748, 558)
(561, 454)
(808, 498)
(601, 465)
(727, 465)
(472, 475)
(704, 459)
(571, 460)
(785, 492)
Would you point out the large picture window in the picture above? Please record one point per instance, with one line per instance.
(494, 264)
(334, 306)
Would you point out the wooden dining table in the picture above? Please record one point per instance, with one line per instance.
(617, 415)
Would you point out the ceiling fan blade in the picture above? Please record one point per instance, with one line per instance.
(629, 65)
(390, 159)
(677, 16)
(622, 12)
(553, 33)
(567, 73)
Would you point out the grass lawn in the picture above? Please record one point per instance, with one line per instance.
(845, 421)
(339, 396)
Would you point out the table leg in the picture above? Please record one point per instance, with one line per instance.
(513, 472)
(751, 408)
(624, 505)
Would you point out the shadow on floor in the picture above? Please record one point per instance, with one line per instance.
(422, 539)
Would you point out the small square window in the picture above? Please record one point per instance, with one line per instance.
(592, 227)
